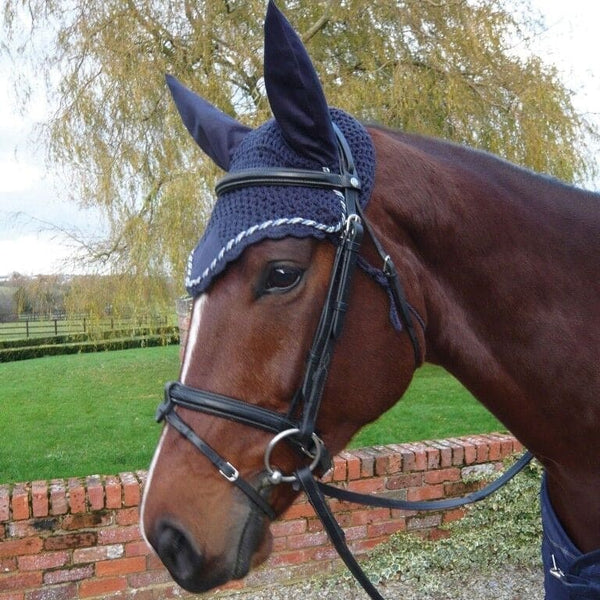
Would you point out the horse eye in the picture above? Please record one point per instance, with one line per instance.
(282, 278)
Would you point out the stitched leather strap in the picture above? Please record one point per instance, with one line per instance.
(335, 532)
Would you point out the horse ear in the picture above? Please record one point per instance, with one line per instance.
(295, 93)
(214, 131)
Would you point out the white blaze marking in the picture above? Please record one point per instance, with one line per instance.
(199, 307)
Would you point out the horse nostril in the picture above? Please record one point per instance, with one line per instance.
(177, 552)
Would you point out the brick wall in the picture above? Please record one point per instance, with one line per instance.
(79, 538)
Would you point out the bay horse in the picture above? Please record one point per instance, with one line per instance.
(466, 261)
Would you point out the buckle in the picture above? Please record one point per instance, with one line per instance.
(233, 472)
(555, 571)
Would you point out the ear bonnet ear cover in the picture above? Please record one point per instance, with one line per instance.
(299, 137)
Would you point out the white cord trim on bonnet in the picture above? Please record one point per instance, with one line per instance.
(190, 283)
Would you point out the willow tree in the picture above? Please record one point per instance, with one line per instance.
(447, 69)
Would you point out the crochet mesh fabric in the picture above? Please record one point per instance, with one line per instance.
(247, 215)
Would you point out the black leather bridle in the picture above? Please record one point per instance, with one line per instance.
(300, 432)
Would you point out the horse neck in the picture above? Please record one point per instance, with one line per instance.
(508, 275)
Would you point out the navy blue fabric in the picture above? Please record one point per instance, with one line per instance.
(215, 132)
(576, 575)
(295, 94)
(247, 215)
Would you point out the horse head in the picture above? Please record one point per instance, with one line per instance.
(261, 392)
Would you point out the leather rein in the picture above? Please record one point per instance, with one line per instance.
(301, 432)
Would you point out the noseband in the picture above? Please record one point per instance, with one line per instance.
(300, 432)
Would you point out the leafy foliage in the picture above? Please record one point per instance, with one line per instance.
(503, 530)
(447, 69)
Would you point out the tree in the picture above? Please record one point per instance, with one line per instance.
(440, 68)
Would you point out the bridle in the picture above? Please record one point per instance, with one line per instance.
(300, 431)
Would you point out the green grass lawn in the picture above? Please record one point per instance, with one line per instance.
(82, 414)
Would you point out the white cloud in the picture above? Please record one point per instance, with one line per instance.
(33, 254)
(16, 176)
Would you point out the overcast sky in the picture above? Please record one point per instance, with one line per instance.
(31, 199)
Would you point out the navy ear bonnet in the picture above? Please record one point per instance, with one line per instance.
(301, 136)
(244, 216)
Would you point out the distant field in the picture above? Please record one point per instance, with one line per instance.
(94, 413)
(36, 328)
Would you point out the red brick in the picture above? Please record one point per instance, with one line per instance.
(430, 492)
(293, 557)
(4, 502)
(20, 581)
(445, 453)
(101, 587)
(458, 451)
(288, 527)
(408, 458)
(31, 545)
(148, 578)
(355, 533)
(420, 451)
(12, 595)
(367, 486)
(324, 553)
(58, 497)
(298, 511)
(367, 462)
(423, 522)
(20, 502)
(352, 465)
(121, 566)
(442, 475)
(306, 540)
(128, 516)
(495, 448)
(482, 448)
(339, 469)
(65, 591)
(131, 489)
(140, 548)
(45, 560)
(70, 540)
(119, 535)
(112, 490)
(97, 553)
(63, 575)
(368, 516)
(95, 492)
(362, 546)
(404, 480)
(39, 498)
(470, 453)
(76, 496)
(381, 529)
(32, 527)
(453, 515)
(88, 520)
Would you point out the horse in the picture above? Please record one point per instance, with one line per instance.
(337, 259)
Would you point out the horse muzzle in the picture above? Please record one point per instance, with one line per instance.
(196, 570)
